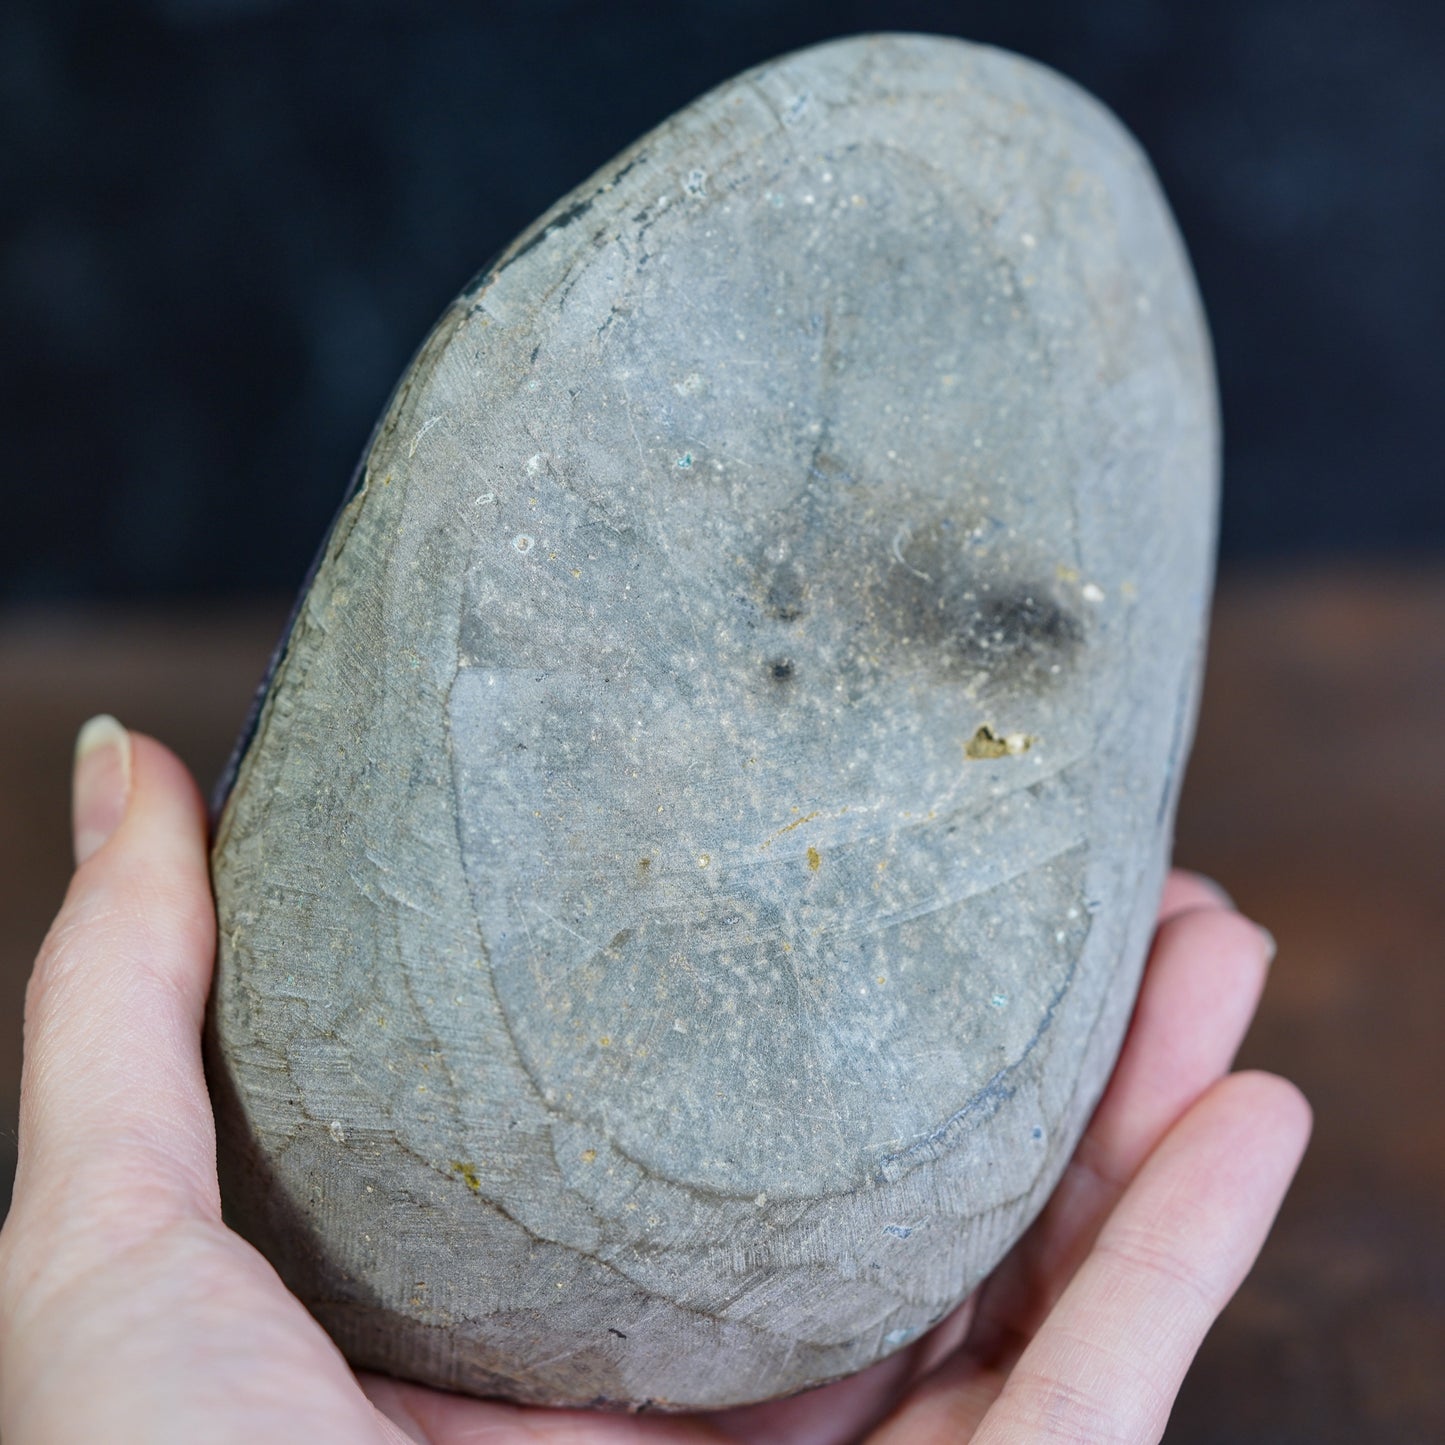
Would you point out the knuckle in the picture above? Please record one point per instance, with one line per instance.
(1059, 1411)
(1157, 1257)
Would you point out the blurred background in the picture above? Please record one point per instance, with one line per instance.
(226, 225)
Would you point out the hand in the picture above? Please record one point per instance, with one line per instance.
(128, 1312)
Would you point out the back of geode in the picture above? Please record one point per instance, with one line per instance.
(688, 880)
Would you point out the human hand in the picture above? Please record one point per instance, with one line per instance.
(128, 1312)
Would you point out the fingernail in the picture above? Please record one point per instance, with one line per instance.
(1271, 948)
(100, 787)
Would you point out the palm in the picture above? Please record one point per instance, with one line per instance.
(130, 1312)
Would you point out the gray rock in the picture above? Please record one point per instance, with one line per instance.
(687, 883)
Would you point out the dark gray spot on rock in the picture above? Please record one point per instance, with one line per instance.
(785, 593)
(964, 624)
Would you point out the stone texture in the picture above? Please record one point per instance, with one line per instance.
(685, 888)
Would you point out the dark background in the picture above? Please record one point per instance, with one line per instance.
(226, 225)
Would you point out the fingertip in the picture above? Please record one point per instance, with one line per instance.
(141, 892)
(1224, 950)
(1206, 972)
(155, 856)
(1189, 892)
(124, 781)
(1185, 889)
(1278, 1101)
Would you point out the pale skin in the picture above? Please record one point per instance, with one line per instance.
(129, 1313)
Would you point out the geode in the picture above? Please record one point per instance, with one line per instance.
(687, 877)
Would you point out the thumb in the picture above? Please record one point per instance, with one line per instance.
(115, 1124)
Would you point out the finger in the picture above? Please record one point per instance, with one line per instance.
(1202, 985)
(437, 1418)
(1112, 1355)
(944, 1338)
(1184, 890)
(1109, 1359)
(833, 1414)
(113, 1095)
(829, 1416)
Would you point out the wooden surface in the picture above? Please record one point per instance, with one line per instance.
(1316, 795)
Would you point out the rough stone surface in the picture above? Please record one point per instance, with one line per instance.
(687, 883)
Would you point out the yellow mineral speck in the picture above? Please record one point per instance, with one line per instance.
(986, 744)
(815, 859)
(469, 1175)
(589, 1156)
(703, 859)
(605, 1041)
(788, 827)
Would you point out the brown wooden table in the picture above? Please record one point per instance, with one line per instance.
(1316, 795)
